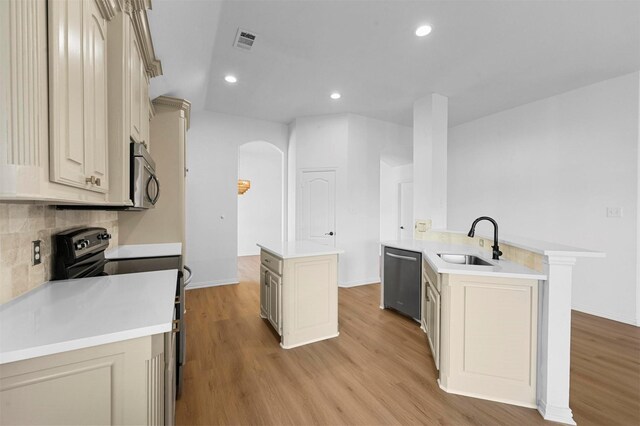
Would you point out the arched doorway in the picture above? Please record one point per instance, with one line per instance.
(261, 207)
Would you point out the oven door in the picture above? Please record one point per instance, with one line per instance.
(145, 184)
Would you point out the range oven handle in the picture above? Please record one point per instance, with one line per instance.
(188, 280)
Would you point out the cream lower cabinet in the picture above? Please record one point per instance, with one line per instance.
(299, 297)
(489, 338)
(271, 298)
(431, 282)
(120, 383)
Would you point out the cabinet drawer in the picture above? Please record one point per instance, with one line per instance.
(430, 275)
(271, 262)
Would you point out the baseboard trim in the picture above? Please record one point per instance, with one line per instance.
(212, 283)
(356, 283)
(606, 315)
(556, 414)
(306, 342)
(488, 398)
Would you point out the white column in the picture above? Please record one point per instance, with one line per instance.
(430, 125)
(554, 340)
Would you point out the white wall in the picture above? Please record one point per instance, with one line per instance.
(548, 170)
(390, 178)
(212, 200)
(260, 209)
(350, 144)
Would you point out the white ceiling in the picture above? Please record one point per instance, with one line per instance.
(486, 56)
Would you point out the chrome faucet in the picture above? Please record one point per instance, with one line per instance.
(496, 250)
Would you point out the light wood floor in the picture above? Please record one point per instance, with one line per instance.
(378, 371)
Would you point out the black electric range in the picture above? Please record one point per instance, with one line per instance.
(79, 253)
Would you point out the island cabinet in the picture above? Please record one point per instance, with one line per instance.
(128, 382)
(299, 296)
(489, 337)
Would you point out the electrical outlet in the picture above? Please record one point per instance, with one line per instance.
(481, 242)
(36, 255)
(614, 211)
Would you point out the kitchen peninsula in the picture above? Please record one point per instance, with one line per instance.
(299, 291)
(525, 259)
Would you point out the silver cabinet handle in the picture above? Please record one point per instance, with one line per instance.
(397, 256)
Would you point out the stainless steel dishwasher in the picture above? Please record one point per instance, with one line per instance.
(401, 280)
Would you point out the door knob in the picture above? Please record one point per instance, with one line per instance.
(329, 233)
(402, 227)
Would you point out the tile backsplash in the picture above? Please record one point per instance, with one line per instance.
(20, 224)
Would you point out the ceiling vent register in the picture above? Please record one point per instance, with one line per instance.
(244, 39)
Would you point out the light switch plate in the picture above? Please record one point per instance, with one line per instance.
(614, 211)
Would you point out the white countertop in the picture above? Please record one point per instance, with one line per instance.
(536, 246)
(293, 249)
(61, 316)
(498, 268)
(136, 251)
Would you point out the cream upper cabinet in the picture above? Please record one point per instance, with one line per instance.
(132, 63)
(136, 79)
(70, 67)
(144, 109)
(78, 94)
(139, 95)
(95, 74)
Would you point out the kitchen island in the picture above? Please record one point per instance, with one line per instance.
(299, 290)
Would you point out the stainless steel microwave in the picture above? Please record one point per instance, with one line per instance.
(145, 186)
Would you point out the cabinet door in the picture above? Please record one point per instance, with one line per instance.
(95, 96)
(144, 107)
(169, 390)
(432, 314)
(135, 67)
(275, 305)
(264, 292)
(78, 88)
(66, 89)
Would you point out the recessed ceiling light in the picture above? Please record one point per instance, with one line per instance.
(423, 30)
(230, 79)
(335, 95)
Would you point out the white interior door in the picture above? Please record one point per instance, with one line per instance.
(405, 211)
(317, 206)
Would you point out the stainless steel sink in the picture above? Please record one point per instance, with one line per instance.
(464, 259)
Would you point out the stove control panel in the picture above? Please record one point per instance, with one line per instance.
(77, 243)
